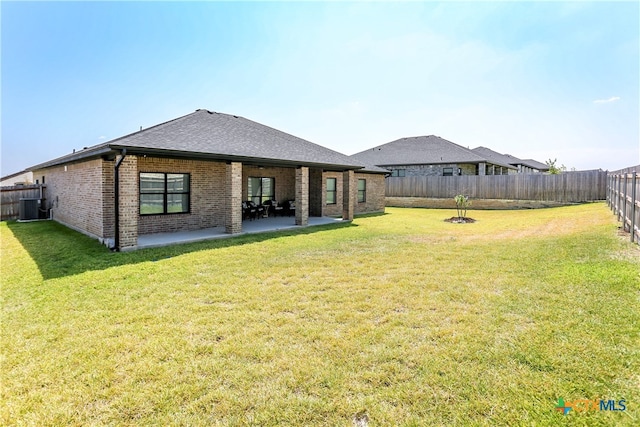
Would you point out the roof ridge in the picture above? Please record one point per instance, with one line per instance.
(156, 126)
(283, 135)
(253, 124)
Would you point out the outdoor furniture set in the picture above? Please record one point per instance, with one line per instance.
(251, 210)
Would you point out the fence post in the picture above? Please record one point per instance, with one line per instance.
(619, 196)
(610, 191)
(634, 178)
(613, 193)
(624, 203)
(612, 183)
(614, 180)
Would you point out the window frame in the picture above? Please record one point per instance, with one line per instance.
(398, 173)
(166, 192)
(362, 193)
(334, 191)
(262, 195)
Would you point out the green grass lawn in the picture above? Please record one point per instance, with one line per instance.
(403, 317)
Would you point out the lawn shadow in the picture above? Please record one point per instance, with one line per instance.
(59, 251)
(371, 214)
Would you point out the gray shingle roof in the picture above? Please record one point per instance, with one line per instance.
(421, 150)
(207, 134)
(535, 164)
(509, 159)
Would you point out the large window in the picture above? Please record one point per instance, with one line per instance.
(362, 190)
(261, 189)
(164, 193)
(331, 191)
(398, 172)
(447, 172)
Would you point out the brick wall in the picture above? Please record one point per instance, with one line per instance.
(81, 195)
(374, 199)
(207, 195)
(334, 209)
(317, 196)
(76, 195)
(108, 213)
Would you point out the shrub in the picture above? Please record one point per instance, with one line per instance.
(462, 204)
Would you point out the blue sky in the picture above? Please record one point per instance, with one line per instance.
(533, 79)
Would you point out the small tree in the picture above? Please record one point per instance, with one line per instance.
(462, 204)
(553, 169)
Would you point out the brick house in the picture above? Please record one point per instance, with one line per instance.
(431, 156)
(522, 165)
(194, 172)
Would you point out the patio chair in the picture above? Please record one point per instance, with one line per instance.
(257, 211)
(274, 207)
(291, 207)
(249, 210)
(277, 208)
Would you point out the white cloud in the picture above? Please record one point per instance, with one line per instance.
(606, 101)
(102, 137)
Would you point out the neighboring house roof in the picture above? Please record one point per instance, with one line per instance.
(22, 176)
(535, 164)
(368, 167)
(421, 150)
(212, 135)
(493, 155)
(509, 159)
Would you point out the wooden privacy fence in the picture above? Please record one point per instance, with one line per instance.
(10, 199)
(568, 187)
(623, 197)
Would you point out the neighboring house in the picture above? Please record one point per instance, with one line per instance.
(530, 165)
(194, 172)
(18, 178)
(523, 166)
(430, 156)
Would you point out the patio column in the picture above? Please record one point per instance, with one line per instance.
(482, 168)
(348, 194)
(233, 198)
(129, 203)
(302, 195)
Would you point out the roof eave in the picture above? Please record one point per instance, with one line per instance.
(74, 157)
(257, 161)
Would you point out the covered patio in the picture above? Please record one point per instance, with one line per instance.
(261, 225)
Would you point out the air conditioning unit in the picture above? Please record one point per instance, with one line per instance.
(29, 209)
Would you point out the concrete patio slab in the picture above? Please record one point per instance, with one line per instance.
(261, 225)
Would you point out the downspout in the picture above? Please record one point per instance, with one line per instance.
(116, 194)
